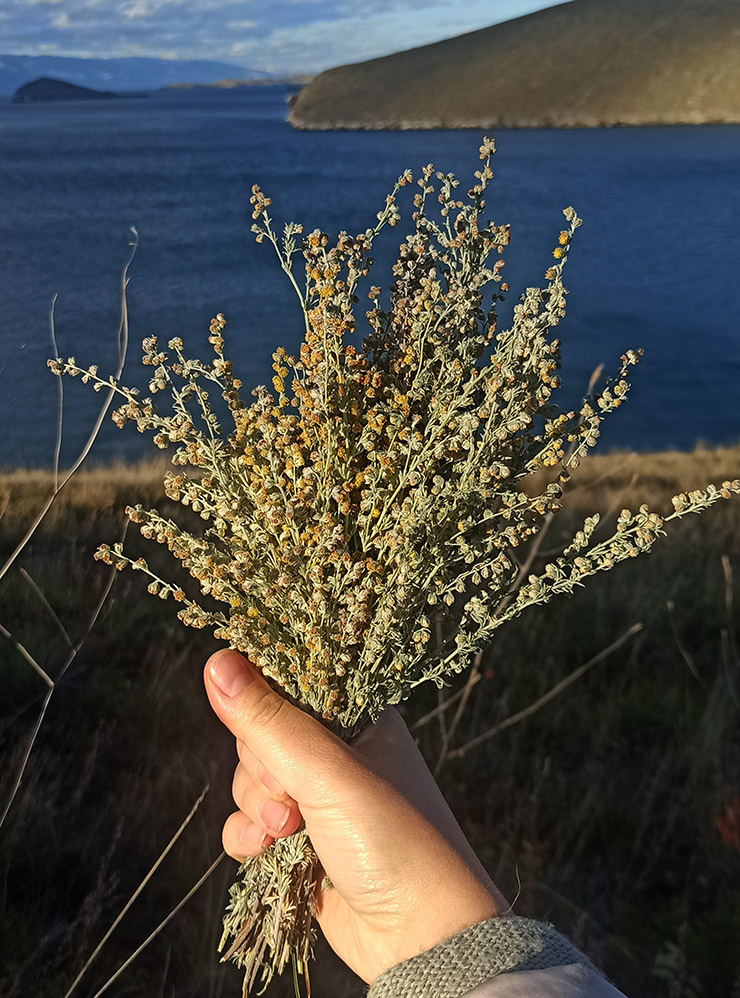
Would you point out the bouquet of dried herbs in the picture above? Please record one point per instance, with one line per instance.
(387, 480)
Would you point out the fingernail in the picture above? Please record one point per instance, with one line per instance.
(273, 814)
(253, 836)
(230, 672)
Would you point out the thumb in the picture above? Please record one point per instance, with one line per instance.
(298, 750)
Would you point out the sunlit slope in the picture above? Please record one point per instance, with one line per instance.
(584, 63)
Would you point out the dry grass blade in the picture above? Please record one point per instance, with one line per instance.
(49, 608)
(26, 756)
(39, 720)
(60, 418)
(465, 695)
(524, 568)
(683, 651)
(127, 963)
(729, 642)
(550, 695)
(58, 486)
(441, 706)
(52, 684)
(23, 651)
(153, 869)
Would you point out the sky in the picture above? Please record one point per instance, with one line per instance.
(277, 36)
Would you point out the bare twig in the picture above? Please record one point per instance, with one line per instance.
(440, 694)
(52, 683)
(26, 754)
(137, 892)
(462, 704)
(729, 643)
(550, 695)
(440, 708)
(155, 933)
(595, 375)
(122, 347)
(612, 471)
(22, 650)
(525, 567)
(60, 417)
(52, 613)
(683, 650)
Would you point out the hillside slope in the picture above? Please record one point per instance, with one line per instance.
(584, 63)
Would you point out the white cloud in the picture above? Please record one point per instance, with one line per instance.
(61, 21)
(135, 9)
(320, 44)
(138, 8)
(242, 25)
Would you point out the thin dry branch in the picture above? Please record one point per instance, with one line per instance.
(550, 695)
(729, 642)
(25, 653)
(153, 869)
(122, 348)
(53, 683)
(127, 963)
(440, 708)
(683, 650)
(525, 567)
(60, 417)
(49, 608)
(26, 755)
(465, 696)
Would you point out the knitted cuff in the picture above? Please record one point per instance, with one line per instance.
(457, 965)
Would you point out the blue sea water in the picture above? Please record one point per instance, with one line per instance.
(655, 265)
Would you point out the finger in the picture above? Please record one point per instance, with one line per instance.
(259, 771)
(243, 838)
(303, 756)
(277, 817)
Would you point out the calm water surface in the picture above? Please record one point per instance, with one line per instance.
(654, 266)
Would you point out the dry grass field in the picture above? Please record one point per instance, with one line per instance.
(612, 810)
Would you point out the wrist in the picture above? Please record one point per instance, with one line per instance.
(444, 915)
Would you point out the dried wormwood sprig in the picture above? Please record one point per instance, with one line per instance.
(378, 486)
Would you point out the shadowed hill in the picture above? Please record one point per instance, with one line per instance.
(46, 89)
(584, 63)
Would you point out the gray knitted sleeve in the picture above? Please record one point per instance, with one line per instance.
(457, 965)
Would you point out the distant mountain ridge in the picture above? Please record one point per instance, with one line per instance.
(587, 63)
(115, 74)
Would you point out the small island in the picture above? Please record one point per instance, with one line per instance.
(46, 90)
